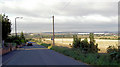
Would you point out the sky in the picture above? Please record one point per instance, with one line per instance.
(70, 15)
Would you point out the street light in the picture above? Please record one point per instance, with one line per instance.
(16, 25)
(53, 32)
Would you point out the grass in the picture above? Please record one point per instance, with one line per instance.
(46, 45)
(39, 43)
(89, 58)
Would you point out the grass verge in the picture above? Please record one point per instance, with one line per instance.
(89, 58)
(46, 45)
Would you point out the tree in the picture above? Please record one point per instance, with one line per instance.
(6, 27)
(92, 46)
(84, 45)
(92, 41)
(22, 36)
(76, 41)
(0, 28)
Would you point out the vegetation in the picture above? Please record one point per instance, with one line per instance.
(111, 49)
(33, 40)
(76, 41)
(6, 30)
(6, 27)
(48, 36)
(108, 38)
(89, 58)
(118, 38)
(22, 36)
(28, 39)
(46, 45)
(114, 53)
(7, 44)
(87, 52)
(16, 39)
(84, 45)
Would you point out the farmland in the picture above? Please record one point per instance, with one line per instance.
(66, 42)
(66, 39)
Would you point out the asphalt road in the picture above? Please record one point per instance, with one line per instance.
(37, 55)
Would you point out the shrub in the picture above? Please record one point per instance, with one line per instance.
(111, 49)
(14, 44)
(13, 39)
(76, 41)
(17, 42)
(114, 53)
(5, 45)
(84, 45)
(92, 47)
(22, 41)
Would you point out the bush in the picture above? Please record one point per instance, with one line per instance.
(111, 49)
(22, 41)
(8, 44)
(14, 44)
(13, 39)
(76, 41)
(5, 45)
(114, 53)
(17, 42)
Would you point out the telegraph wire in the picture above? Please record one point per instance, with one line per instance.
(67, 4)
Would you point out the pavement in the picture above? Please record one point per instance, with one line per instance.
(37, 55)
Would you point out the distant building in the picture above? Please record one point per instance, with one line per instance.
(99, 33)
(31, 34)
(89, 33)
(83, 33)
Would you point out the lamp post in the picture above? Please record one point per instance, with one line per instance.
(53, 32)
(16, 25)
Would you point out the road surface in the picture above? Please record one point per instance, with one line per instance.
(37, 55)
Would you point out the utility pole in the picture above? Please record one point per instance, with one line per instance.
(53, 31)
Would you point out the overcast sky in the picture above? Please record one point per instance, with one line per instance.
(70, 15)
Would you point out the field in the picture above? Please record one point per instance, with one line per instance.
(66, 42)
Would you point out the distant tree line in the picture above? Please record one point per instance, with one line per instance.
(49, 36)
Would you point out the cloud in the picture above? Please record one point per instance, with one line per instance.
(67, 13)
